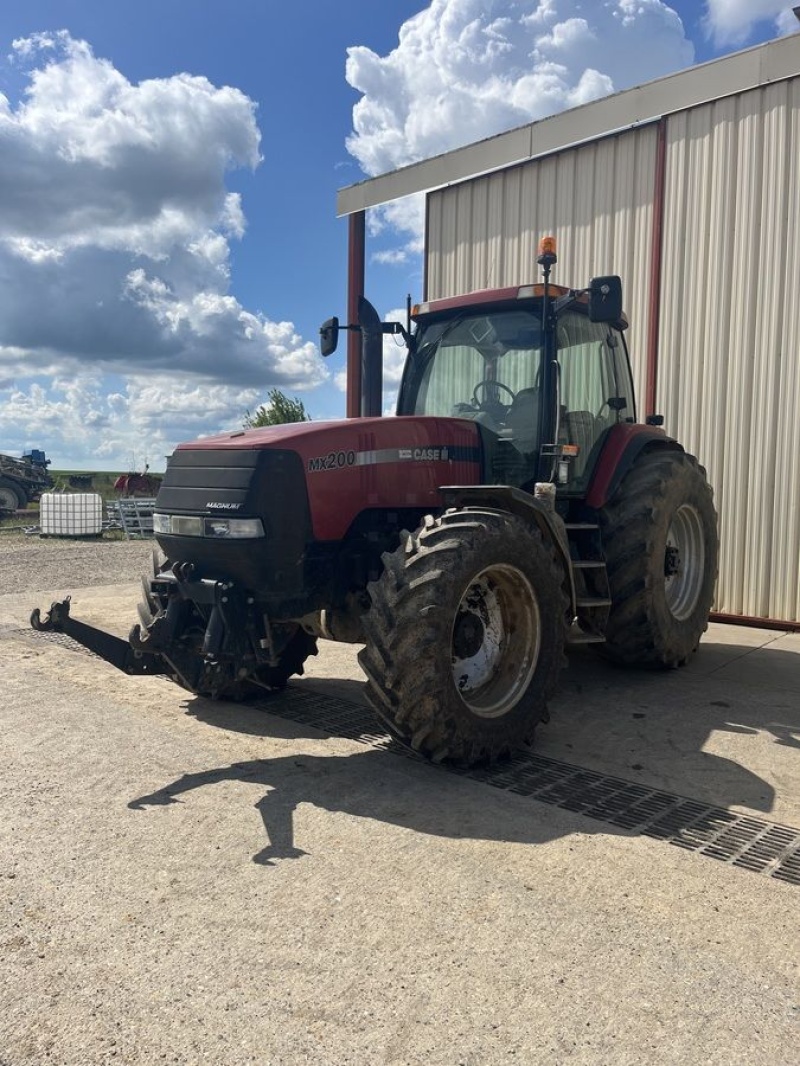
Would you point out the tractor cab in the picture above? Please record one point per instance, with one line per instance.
(542, 370)
(489, 362)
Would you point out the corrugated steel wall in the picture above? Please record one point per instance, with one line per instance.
(598, 202)
(729, 379)
(729, 343)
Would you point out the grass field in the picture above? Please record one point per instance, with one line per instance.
(101, 481)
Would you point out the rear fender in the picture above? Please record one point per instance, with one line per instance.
(623, 444)
(521, 504)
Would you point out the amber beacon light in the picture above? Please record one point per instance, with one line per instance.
(547, 251)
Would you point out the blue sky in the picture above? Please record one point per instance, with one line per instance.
(168, 176)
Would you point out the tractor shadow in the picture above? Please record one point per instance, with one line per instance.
(652, 728)
(647, 728)
(708, 731)
(376, 785)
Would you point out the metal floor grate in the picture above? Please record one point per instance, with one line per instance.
(739, 840)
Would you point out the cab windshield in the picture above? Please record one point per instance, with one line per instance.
(474, 366)
(488, 367)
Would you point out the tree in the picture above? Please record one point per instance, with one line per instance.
(278, 410)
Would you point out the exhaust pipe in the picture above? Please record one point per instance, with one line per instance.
(371, 359)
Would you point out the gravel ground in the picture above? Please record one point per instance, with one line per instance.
(31, 563)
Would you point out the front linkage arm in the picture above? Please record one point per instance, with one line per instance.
(112, 649)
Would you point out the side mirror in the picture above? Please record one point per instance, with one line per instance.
(329, 336)
(605, 299)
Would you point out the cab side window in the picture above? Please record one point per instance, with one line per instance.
(589, 389)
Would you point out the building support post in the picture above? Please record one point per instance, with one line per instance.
(355, 290)
(654, 300)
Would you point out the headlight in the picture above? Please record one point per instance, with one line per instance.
(178, 525)
(162, 523)
(192, 526)
(232, 527)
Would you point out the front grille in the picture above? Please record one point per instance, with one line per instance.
(196, 477)
(265, 483)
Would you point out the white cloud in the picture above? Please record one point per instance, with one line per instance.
(394, 351)
(391, 256)
(74, 410)
(468, 69)
(84, 418)
(340, 380)
(115, 230)
(730, 22)
(112, 165)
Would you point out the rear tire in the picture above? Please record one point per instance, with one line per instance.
(662, 548)
(11, 498)
(465, 636)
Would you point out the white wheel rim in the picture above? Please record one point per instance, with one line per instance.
(684, 562)
(495, 640)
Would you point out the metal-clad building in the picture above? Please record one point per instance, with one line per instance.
(688, 187)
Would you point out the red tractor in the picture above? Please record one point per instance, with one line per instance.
(513, 507)
(136, 483)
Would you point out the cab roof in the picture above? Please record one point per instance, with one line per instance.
(492, 298)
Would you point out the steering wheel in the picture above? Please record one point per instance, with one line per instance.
(496, 385)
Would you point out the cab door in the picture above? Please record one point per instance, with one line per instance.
(596, 390)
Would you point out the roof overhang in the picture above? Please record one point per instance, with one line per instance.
(754, 67)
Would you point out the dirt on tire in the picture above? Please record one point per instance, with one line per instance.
(418, 617)
(653, 622)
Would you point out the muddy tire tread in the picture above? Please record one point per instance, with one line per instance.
(411, 613)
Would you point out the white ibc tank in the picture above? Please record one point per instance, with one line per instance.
(71, 514)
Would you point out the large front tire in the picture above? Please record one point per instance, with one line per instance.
(661, 546)
(465, 636)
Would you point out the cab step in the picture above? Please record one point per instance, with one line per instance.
(576, 636)
(592, 601)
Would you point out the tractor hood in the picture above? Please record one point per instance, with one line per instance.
(341, 468)
(300, 436)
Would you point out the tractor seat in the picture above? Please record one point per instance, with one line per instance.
(522, 421)
(583, 429)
